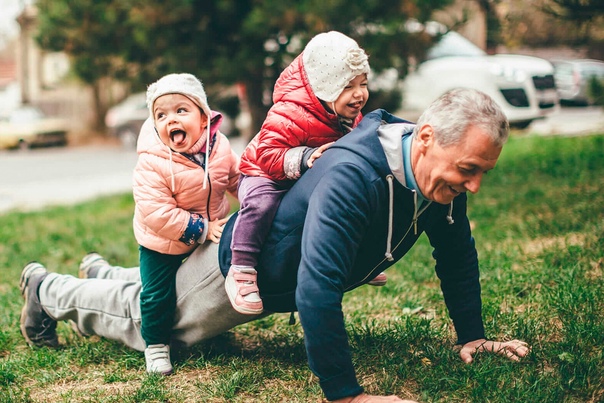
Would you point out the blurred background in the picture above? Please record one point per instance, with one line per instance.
(73, 72)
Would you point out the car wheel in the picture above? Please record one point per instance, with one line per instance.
(128, 138)
(521, 124)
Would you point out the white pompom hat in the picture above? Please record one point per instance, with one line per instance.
(184, 84)
(331, 60)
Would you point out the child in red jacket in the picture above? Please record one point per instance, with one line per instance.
(316, 100)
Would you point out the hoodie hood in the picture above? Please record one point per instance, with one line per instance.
(390, 135)
(389, 129)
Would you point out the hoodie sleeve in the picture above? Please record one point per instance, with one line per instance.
(457, 268)
(339, 211)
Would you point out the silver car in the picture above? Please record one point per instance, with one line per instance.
(125, 119)
(573, 79)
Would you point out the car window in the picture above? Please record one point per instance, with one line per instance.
(453, 44)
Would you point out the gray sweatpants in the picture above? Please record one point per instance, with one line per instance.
(109, 305)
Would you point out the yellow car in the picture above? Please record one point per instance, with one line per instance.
(28, 127)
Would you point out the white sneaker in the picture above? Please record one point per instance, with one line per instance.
(242, 290)
(157, 357)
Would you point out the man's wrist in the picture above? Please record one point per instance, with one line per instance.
(344, 400)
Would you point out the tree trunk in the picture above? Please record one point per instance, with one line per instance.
(100, 108)
(255, 94)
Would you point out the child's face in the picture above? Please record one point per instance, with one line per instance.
(179, 121)
(353, 98)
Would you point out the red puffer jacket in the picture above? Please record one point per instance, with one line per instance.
(297, 118)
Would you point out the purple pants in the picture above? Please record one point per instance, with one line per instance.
(259, 199)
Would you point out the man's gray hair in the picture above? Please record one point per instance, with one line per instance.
(454, 112)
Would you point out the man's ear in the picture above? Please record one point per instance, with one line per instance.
(425, 136)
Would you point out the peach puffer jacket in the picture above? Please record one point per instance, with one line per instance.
(168, 188)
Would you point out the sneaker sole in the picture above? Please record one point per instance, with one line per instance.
(22, 326)
(86, 262)
(165, 373)
(377, 283)
(26, 274)
(228, 286)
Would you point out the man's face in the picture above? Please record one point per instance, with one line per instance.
(444, 173)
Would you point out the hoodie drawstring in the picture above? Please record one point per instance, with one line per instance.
(450, 214)
(388, 253)
(205, 177)
(415, 212)
(171, 171)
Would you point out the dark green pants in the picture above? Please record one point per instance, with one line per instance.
(158, 296)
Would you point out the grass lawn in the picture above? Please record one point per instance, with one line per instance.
(539, 226)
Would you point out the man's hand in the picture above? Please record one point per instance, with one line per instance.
(364, 398)
(215, 229)
(514, 349)
(317, 153)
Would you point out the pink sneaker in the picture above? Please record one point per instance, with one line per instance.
(379, 280)
(242, 289)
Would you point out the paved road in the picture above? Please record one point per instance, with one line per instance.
(33, 179)
(37, 178)
(571, 121)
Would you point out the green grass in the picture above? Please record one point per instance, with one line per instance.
(539, 226)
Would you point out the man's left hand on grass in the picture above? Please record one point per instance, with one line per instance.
(514, 349)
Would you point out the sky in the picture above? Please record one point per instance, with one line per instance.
(9, 28)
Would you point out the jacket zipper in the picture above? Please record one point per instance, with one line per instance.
(413, 225)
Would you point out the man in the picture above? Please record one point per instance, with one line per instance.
(362, 207)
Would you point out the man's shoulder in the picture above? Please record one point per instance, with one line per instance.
(382, 116)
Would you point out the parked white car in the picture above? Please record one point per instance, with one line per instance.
(522, 85)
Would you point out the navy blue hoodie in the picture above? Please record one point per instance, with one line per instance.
(358, 220)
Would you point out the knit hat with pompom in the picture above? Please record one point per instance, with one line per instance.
(331, 60)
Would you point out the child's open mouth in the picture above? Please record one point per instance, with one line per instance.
(178, 136)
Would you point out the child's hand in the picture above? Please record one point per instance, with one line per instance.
(215, 229)
(318, 152)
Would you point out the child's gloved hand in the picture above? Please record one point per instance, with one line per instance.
(215, 229)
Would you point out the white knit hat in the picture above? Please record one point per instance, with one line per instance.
(331, 61)
(184, 84)
(189, 86)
